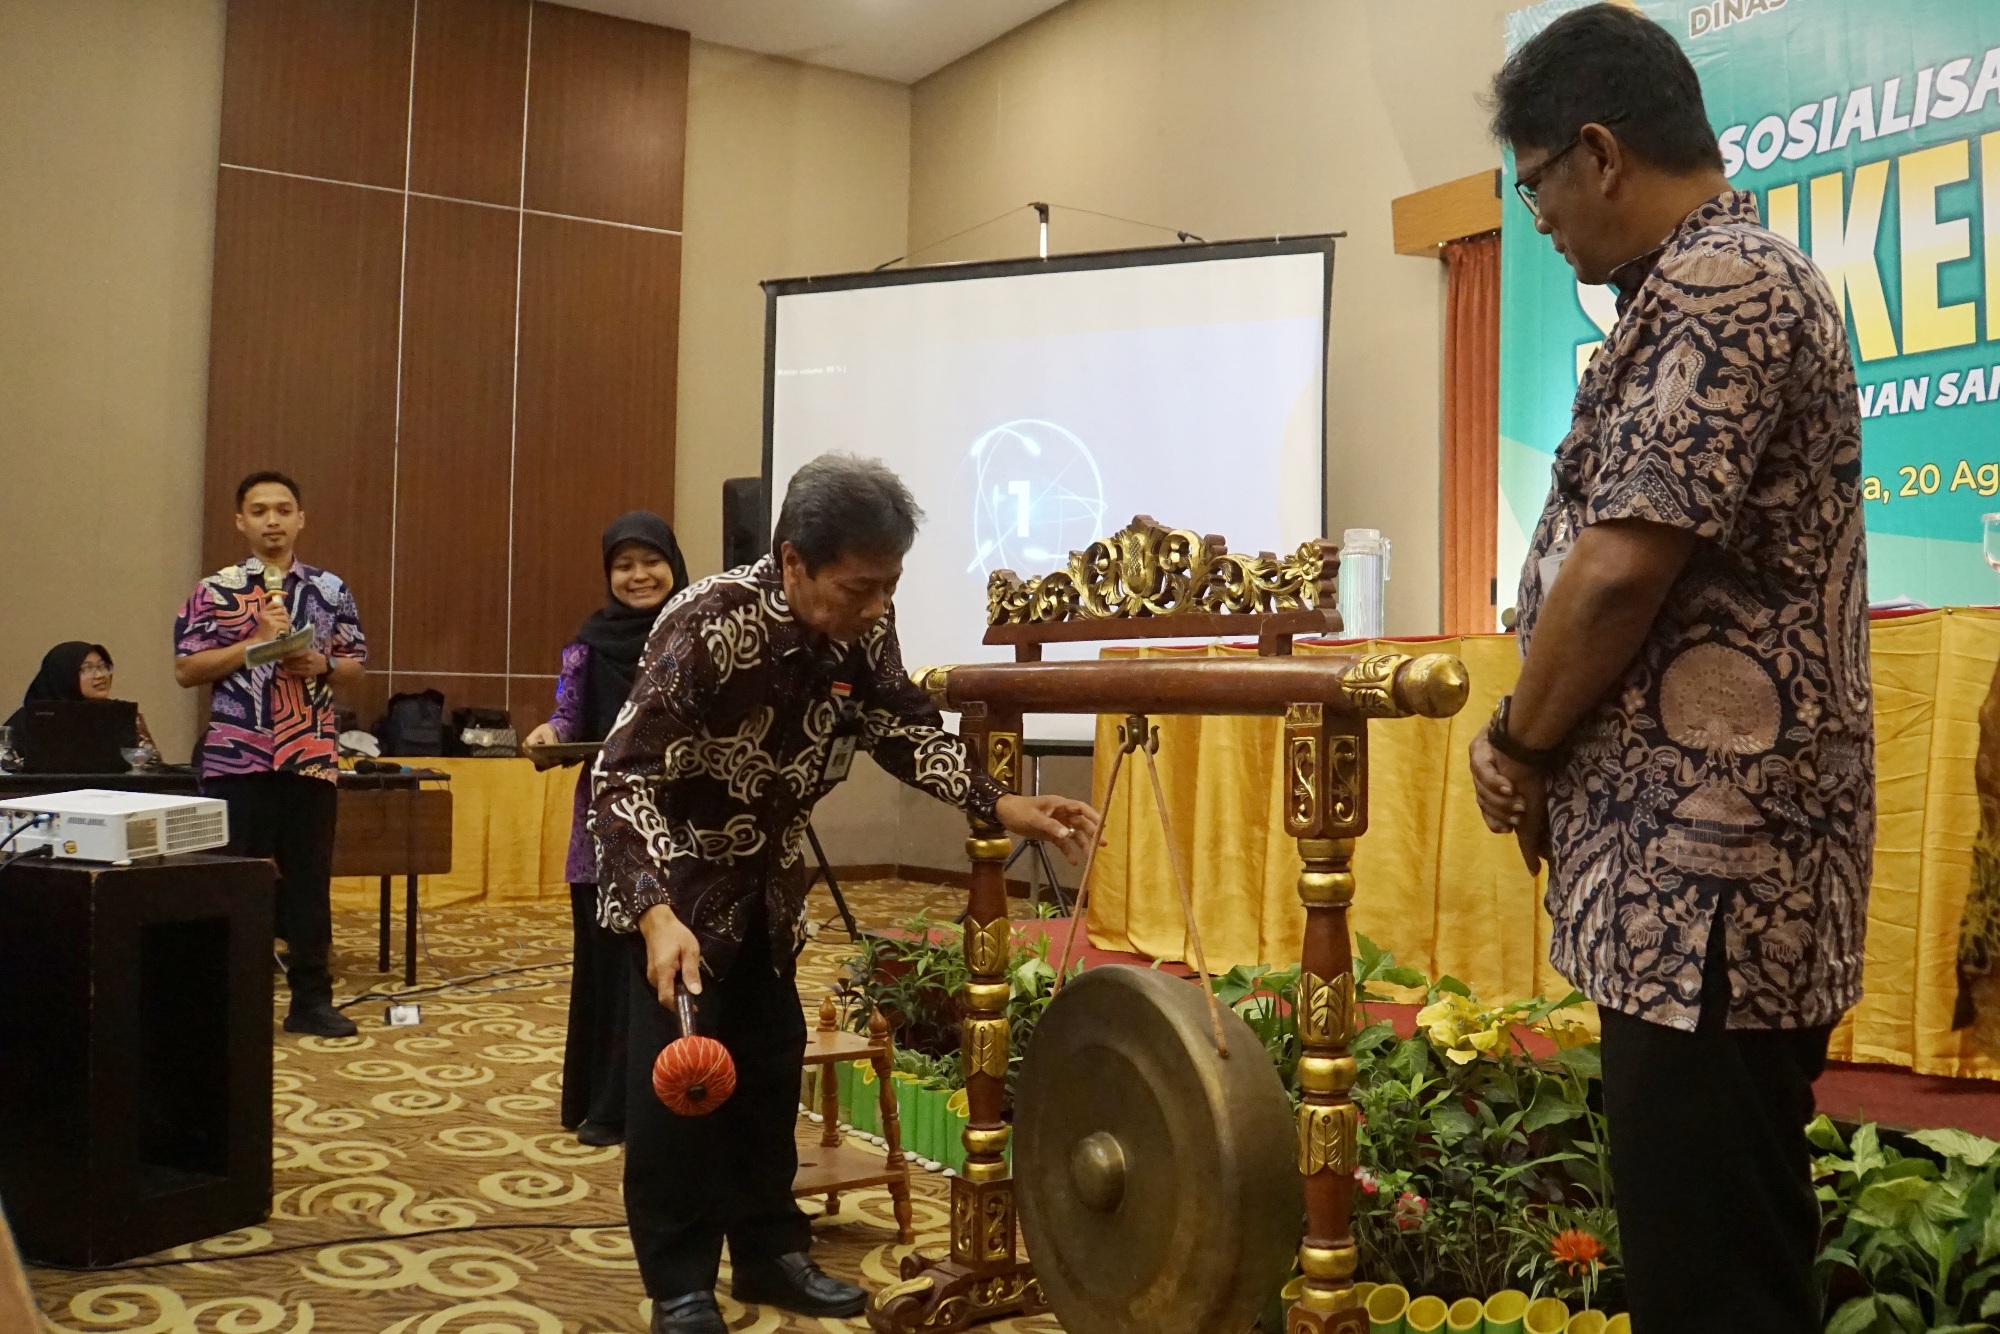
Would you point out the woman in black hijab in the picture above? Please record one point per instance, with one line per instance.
(643, 569)
(75, 669)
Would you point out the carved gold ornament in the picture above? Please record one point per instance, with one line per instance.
(1326, 1139)
(984, 1042)
(1003, 751)
(1326, 1008)
(1343, 779)
(1304, 767)
(987, 947)
(1147, 569)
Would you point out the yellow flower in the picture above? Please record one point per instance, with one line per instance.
(1462, 1030)
(1567, 1032)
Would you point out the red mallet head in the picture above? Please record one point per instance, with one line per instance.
(692, 1075)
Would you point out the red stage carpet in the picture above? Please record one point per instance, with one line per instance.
(1893, 1096)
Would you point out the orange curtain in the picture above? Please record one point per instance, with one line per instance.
(1471, 432)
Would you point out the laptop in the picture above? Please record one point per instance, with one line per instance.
(75, 736)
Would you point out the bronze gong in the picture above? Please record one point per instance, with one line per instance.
(1157, 1181)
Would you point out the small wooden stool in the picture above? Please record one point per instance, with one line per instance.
(832, 1167)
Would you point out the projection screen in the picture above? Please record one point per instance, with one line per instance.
(1033, 406)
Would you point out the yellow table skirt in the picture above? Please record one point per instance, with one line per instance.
(509, 836)
(1449, 897)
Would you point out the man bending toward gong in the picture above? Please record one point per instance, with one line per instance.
(756, 689)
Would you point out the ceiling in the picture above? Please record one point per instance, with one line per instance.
(902, 40)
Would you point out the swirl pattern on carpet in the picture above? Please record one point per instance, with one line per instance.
(453, 1124)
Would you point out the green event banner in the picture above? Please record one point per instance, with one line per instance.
(1870, 132)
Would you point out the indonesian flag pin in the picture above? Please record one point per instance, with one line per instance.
(841, 690)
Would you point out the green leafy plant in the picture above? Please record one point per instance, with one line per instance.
(1921, 1235)
(915, 978)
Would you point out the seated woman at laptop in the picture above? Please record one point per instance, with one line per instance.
(76, 670)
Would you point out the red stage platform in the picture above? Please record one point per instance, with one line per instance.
(1895, 1097)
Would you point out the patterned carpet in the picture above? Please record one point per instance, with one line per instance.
(454, 1123)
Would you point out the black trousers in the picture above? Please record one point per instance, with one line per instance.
(289, 818)
(1713, 1173)
(599, 999)
(692, 1181)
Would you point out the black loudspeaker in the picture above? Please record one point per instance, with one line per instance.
(135, 1054)
(746, 521)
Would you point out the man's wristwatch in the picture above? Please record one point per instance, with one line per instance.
(1541, 761)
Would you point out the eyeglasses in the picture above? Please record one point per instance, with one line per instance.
(1529, 186)
(95, 669)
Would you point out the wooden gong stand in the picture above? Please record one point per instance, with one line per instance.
(1127, 585)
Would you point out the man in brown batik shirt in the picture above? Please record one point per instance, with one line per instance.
(756, 689)
(1691, 744)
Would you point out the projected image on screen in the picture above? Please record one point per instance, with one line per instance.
(1033, 412)
(1035, 496)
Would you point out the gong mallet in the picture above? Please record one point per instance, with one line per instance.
(692, 1075)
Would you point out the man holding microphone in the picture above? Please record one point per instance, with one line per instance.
(269, 750)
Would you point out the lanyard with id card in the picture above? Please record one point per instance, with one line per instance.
(846, 734)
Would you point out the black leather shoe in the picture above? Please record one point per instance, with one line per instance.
(695, 1313)
(599, 1134)
(322, 1021)
(798, 1285)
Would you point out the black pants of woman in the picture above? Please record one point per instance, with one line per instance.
(594, 1054)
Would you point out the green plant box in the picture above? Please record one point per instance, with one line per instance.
(843, 1083)
(1505, 1311)
(932, 1116)
(1387, 1305)
(954, 1124)
(1467, 1316)
(1426, 1315)
(867, 1102)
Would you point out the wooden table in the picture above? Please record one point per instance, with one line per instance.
(391, 825)
(135, 1041)
(387, 825)
(831, 1167)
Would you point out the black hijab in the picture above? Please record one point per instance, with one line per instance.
(615, 633)
(62, 666)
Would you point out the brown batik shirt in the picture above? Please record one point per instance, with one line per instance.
(1736, 754)
(731, 736)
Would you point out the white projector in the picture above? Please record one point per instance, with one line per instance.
(92, 824)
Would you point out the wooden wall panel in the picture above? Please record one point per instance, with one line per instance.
(595, 431)
(607, 118)
(471, 96)
(454, 456)
(536, 354)
(530, 700)
(318, 87)
(302, 368)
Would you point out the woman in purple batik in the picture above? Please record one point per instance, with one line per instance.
(642, 569)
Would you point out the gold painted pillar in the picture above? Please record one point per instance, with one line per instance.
(1326, 764)
(983, 1278)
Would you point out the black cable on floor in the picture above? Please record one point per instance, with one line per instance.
(321, 1245)
(450, 984)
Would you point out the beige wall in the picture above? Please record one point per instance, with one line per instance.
(1238, 118)
(1227, 117)
(791, 170)
(108, 122)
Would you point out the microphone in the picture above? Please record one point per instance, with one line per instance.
(274, 584)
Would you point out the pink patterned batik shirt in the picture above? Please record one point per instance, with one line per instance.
(263, 719)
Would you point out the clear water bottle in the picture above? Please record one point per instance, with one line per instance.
(10, 759)
(1364, 568)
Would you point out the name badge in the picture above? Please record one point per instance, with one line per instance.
(839, 759)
